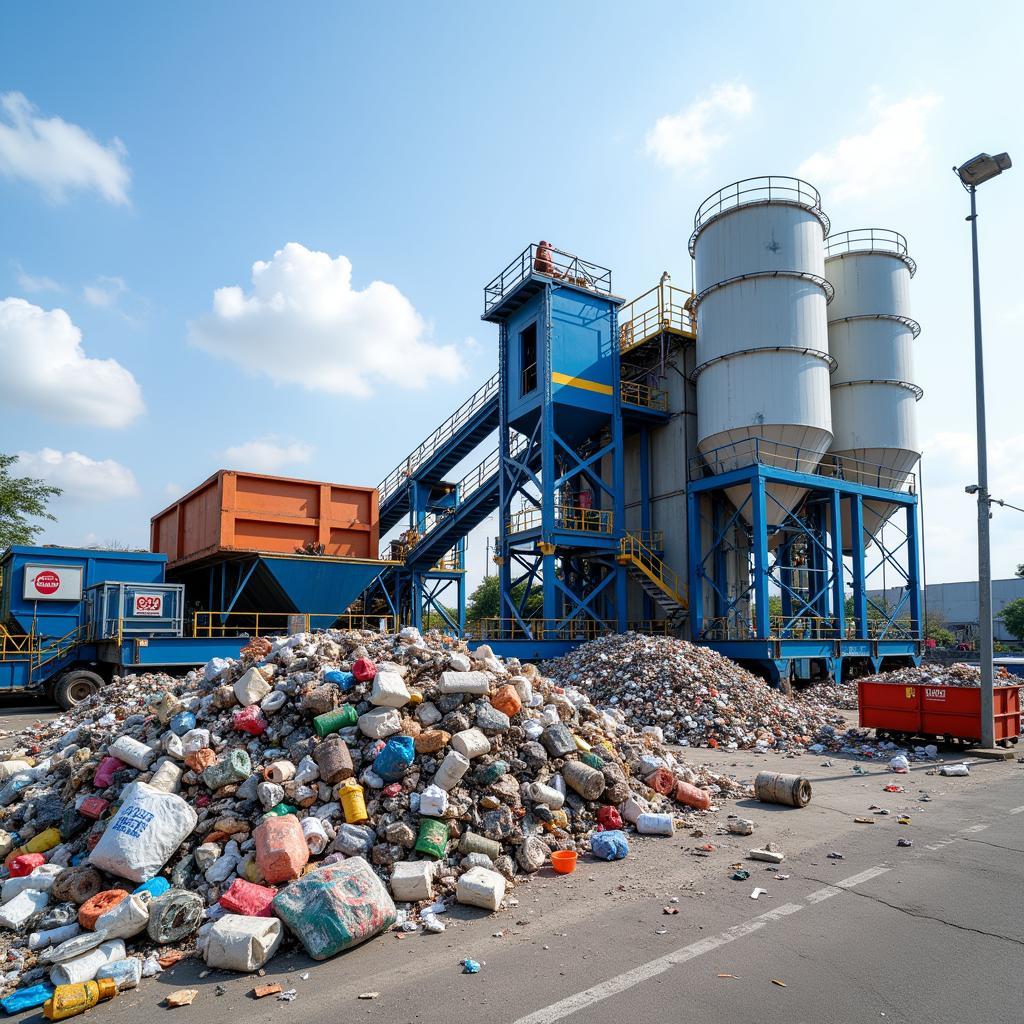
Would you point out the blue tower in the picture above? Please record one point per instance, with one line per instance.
(560, 450)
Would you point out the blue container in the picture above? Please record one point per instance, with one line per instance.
(27, 998)
(344, 680)
(155, 887)
(182, 722)
(393, 761)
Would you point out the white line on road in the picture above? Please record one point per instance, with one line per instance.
(1016, 810)
(974, 828)
(613, 986)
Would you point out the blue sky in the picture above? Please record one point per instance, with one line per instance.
(151, 155)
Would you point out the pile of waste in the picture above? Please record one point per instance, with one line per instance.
(829, 693)
(958, 674)
(299, 794)
(693, 694)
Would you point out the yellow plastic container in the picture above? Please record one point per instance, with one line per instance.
(353, 804)
(559, 819)
(71, 1000)
(45, 840)
(582, 744)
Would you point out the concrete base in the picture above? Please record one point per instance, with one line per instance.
(993, 753)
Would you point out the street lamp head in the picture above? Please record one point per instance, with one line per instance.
(972, 488)
(981, 168)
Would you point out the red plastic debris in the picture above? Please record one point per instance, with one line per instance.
(242, 897)
(93, 807)
(25, 864)
(364, 670)
(250, 719)
(105, 772)
(608, 817)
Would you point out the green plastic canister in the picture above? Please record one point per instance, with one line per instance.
(332, 721)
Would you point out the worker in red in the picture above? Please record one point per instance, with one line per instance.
(543, 263)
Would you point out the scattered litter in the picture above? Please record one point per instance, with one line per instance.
(289, 995)
(864, 821)
(470, 966)
(740, 876)
(955, 770)
(262, 991)
(729, 976)
(781, 878)
(835, 856)
(758, 893)
(670, 910)
(781, 984)
(740, 826)
(368, 995)
(904, 842)
(894, 788)
(182, 997)
(900, 764)
(768, 853)
(903, 819)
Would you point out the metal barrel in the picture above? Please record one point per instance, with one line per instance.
(774, 788)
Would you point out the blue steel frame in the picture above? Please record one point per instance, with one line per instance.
(813, 624)
(575, 571)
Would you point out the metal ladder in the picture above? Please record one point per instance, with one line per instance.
(661, 583)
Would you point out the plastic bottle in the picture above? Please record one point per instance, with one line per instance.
(235, 766)
(71, 1000)
(363, 670)
(83, 968)
(24, 863)
(343, 680)
(126, 973)
(586, 781)
(655, 825)
(132, 752)
(154, 887)
(182, 722)
(341, 718)
(471, 842)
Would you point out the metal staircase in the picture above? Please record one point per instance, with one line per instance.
(442, 449)
(661, 583)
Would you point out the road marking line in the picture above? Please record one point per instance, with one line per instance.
(974, 828)
(1016, 810)
(820, 895)
(613, 986)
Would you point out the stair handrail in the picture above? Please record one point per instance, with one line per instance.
(407, 468)
(662, 575)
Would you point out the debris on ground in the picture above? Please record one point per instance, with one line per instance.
(957, 674)
(692, 694)
(232, 813)
(182, 997)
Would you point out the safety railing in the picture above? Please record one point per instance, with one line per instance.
(663, 576)
(883, 240)
(653, 627)
(40, 649)
(653, 539)
(547, 261)
(772, 188)
(664, 309)
(567, 517)
(762, 451)
(209, 624)
(543, 629)
(634, 393)
(450, 562)
(445, 432)
(808, 627)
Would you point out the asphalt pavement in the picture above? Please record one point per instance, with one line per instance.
(930, 933)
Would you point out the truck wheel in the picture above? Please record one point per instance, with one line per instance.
(76, 686)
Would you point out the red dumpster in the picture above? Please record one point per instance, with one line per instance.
(888, 707)
(956, 711)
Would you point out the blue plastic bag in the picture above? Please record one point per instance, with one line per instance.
(344, 680)
(394, 760)
(609, 845)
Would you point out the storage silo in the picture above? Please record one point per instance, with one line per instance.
(762, 331)
(871, 335)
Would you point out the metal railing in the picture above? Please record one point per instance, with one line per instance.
(808, 627)
(224, 624)
(40, 649)
(883, 240)
(764, 452)
(398, 476)
(665, 578)
(635, 393)
(753, 191)
(547, 262)
(543, 629)
(567, 517)
(653, 627)
(663, 309)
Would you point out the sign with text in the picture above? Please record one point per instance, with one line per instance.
(53, 583)
(148, 604)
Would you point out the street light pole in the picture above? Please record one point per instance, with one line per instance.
(980, 169)
(985, 644)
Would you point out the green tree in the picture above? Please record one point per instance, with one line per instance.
(1019, 571)
(1013, 618)
(485, 601)
(22, 499)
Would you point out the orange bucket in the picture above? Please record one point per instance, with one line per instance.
(563, 861)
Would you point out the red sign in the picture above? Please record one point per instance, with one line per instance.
(148, 604)
(47, 582)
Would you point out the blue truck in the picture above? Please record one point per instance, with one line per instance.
(72, 618)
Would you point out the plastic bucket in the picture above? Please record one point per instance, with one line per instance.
(564, 861)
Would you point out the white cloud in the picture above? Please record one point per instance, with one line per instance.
(688, 139)
(105, 292)
(303, 322)
(45, 370)
(34, 283)
(173, 490)
(57, 156)
(268, 454)
(79, 476)
(890, 152)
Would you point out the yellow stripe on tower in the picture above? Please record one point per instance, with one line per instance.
(580, 382)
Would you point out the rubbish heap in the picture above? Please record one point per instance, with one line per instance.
(693, 694)
(303, 791)
(958, 674)
(829, 693)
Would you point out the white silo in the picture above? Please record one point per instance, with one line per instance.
(762, 331)
(871, 335)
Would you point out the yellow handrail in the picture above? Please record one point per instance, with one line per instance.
(222, 624)
(543, 629)
(567, 517)
(664, 309)
(634, 393)
(632, 549)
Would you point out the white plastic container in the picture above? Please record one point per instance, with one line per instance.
(167, 777)
(655, 824)
(465, 682)
(53, 936)
(127, 918)
(132, 752)
(380, 723)
(433, 802)
(84, 967)
(470, 742)
(316, 835)
(237, 942)
(539, 793)
(479, 887)
(40, 879)
(389, 690)
(452, 768)
(14, 913)
(412, 880)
